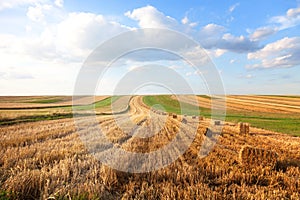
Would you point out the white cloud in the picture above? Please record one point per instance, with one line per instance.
(28, 28)
(233, 7)
(74, 37)
(185, 20)
(70, 40)
(4, 4)
(212, 30)
(36, 13)
(277, 23)
(193, 24)
(41, 60)
(150, 17)
(81, 31)
(220, 52)
(213, 36)
(293, 12)
(216, 52)
(210, 34)
(291, 19)
(238, 44)
(59, 3)
(280, 54)
(262, 33)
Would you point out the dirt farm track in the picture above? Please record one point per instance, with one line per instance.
(42, 155)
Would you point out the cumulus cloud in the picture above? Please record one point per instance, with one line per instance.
(156, 44)
(36, 13)
(277, 23)
(70, 40)
(213, 36)
(59, 3)
(210, 36)
(290, 19)
(80, 33)
(77, 34)
(150, 17)
(262, 33)
(211, 30)
(240, 44)
(216, 52)
(280, 54)
(293, 12)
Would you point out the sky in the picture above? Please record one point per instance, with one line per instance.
(254, 45)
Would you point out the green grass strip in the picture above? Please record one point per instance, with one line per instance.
(174, 106)
(284, 123)
(45, 101)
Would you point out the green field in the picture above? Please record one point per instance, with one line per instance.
(45, 100)
(284, 123)
(50, 112)
(173, 106)
(99, 104)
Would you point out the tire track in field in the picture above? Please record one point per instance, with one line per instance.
(67, 102)
(275, 106)
(233, 103)
(284, 98)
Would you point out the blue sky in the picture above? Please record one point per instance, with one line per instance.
(255, 45)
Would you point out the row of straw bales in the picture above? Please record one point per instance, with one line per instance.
(240, 128)
(159, 112)
(175, 116)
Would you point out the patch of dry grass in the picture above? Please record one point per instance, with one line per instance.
(47, 159)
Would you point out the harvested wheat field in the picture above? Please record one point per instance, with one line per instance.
(36, 102)
(47, 158)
